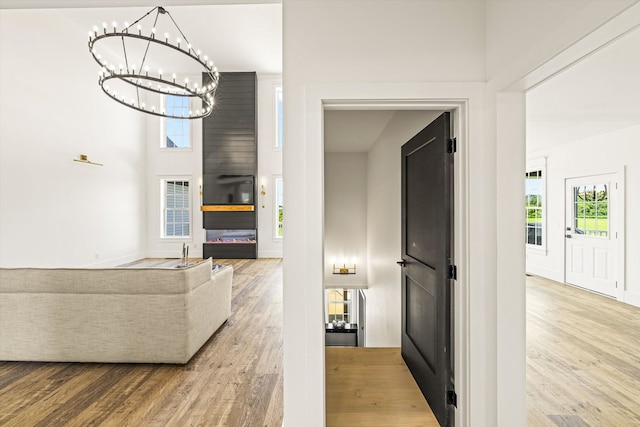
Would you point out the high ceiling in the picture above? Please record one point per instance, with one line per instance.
(597, 95)
(237, 37)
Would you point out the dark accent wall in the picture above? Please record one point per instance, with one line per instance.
(230, 147)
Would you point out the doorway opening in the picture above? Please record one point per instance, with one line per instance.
(580, 124)
(362, 210)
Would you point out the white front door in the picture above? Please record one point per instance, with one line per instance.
(590, 238)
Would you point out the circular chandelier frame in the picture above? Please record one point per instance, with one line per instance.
(142, 80)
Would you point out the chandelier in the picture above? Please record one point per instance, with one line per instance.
(131, 72)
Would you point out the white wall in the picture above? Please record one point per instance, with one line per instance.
(345, 217)
(55, 212)
(172, 163)
(384, 226)
(269, 166)
(187, 164)
(599, 154)
(396, 42)
(403, 55)
(522, 35)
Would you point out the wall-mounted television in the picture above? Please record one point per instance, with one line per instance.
(230, 190)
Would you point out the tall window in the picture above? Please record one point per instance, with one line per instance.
(535, 204)
(279, 114)
(176, 209)
(339, 305)
(279, 206)
(176, 131)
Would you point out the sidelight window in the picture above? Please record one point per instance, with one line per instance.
(535, 204)
(279, 204)
(279, 117)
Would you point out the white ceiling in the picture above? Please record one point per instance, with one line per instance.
(597, 95)
(237, 37)
(353, 131)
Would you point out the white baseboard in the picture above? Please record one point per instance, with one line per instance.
(632, 298)
(557, 276)
(270, 254)
(116, 261)
(193, 253)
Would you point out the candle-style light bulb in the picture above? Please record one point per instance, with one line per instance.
(160, 73)
(115, 25)
(139, 29)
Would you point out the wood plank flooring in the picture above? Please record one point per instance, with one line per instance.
(234, 380)
(583, 358)
(372, 387)
(583, 369)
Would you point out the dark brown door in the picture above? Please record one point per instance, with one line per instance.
(427, 212)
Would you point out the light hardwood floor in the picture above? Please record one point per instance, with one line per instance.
(371, 387)
(583, 358)
(234, 380)
(583, 369)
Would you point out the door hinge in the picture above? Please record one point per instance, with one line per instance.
(451, 145)
(452, 272)
(452, 398)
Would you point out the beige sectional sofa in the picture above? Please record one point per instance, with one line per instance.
(141, 315)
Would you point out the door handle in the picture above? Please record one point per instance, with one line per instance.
(568, 236)
(402, 263)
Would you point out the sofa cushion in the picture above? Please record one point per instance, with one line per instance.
(152, 281)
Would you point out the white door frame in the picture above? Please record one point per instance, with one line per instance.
(459, 109)
(619, 218)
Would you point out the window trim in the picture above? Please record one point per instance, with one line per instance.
(276, 213)
(277, 89)
(163, 131)
(163, 189)
(533, 165)
(351, 302)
